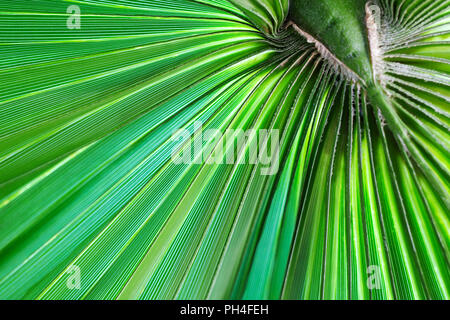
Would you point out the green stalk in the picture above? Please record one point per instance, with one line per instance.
(340, 26)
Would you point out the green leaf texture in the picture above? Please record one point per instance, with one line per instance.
(87, 177)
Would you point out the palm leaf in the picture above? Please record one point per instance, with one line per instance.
(87, 177)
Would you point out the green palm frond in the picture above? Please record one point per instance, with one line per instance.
(87, 177)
